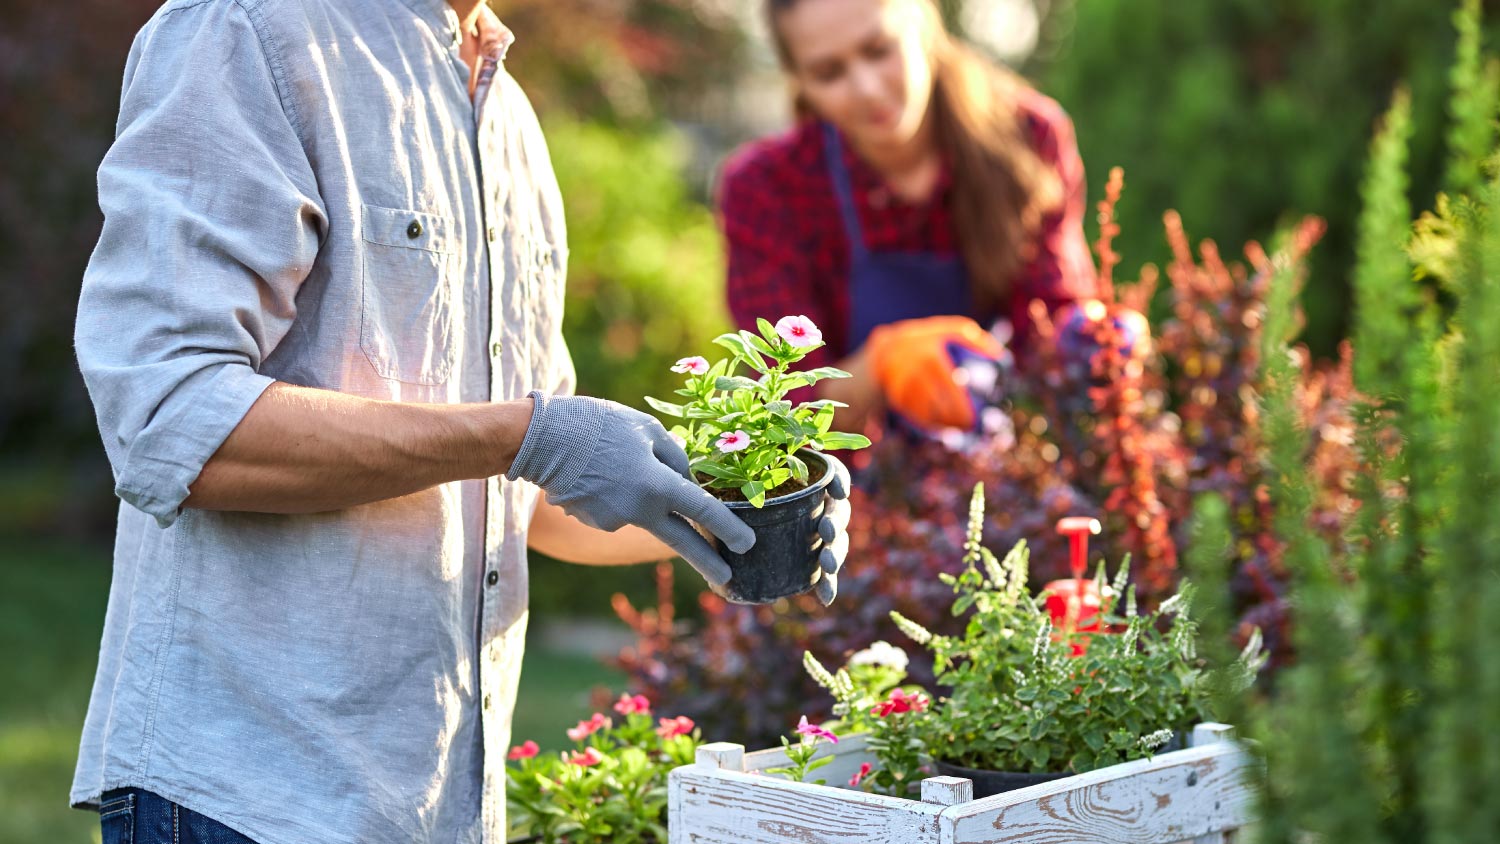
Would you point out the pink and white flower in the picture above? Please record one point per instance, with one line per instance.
(679, 439)
(587, 759)
(815, 731)
(632, 704)
(679, 726)
(589, 727)
(733, 441)
(524, 751)
(799, 331)
(696, 365)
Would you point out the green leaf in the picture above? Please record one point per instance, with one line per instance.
(733, 383)
(666, 407)
(755, 493)
(714, 470)
(758, 344)
(824, 372)
(824, 420)
(797, 467)
(835, 440)
(743, 351)
(781, 406)
(768, 331)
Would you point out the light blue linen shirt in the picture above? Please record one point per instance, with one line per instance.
(304, 191)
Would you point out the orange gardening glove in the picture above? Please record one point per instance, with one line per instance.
(914, 366)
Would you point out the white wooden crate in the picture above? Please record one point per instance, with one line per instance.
(1200, 795)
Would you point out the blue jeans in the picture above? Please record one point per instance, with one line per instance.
(133, 816)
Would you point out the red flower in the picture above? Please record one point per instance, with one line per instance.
(679, 726)
(900, 702)
(628, 705)
(589, 727)
(864, 771)
(525, 751)
(587, 759)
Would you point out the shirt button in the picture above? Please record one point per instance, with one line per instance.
(414, 230)
(492, 578)
(492, 234)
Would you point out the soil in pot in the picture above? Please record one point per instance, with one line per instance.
(784, 560)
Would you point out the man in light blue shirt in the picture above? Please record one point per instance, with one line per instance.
(322, 334)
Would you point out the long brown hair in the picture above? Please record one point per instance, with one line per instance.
(1001, 189)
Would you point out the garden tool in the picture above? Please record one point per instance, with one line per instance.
(930, 369)
(1075, 605)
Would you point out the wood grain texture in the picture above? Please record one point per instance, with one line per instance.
(725, 807)
(1172, 798)
(1196, 796)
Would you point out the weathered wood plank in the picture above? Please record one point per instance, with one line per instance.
(1172, 798)
(725, 807)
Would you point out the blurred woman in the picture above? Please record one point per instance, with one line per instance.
(925, 197)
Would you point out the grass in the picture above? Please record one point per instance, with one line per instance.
(52, 599)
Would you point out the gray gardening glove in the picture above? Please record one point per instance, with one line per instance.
(833, 529)
(608, 465)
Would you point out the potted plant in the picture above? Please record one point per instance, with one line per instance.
(1027, 702)
(612, 786)
(750, 447)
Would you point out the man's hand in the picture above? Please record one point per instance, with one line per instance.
(608, 465)
(833, 529)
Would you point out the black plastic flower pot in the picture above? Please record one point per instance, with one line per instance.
(990, 783)
(784, 560)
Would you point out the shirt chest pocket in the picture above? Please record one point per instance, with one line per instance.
(409, 268)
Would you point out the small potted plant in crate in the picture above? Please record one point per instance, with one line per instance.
(1081, 711)
(1029, 701)
(612, 786)
(749, 446)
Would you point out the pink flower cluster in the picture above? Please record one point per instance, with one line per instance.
(900, 702)
(589, 727)
(633, 704)
(589, 757)
(679, 726)
(524, 751)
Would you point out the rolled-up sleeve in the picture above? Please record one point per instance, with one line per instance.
(211, 223)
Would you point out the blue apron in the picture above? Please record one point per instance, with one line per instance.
(885, 287)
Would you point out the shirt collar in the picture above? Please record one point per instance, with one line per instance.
(495, 37)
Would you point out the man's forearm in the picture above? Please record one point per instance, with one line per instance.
(302, 450)
(563, 537)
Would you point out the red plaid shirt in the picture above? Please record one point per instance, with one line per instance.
(788, 253)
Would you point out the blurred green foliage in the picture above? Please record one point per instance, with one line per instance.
(645, 270)
(1241, 113)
